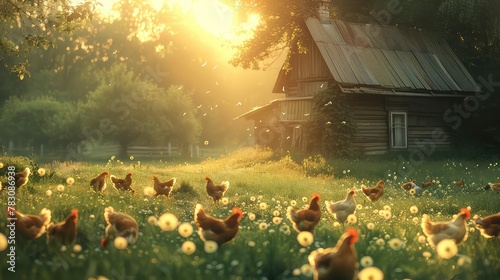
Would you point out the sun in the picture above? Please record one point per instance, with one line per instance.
(213, 16)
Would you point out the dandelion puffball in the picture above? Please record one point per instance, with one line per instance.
(70, 181)
(185, 229)
(168, 222)
(188, 247)
(152, 220)
(263, 206)
(48, 192)
(211, 246)
(3, 242)
(305, 238)
(77, 248)
(120, 243)
(352, 219)
(149, 191)
(396, 244)
(413, 209)
(447, 249)
(41, 171)
(60, 188)
(251, 216)
(371, 273)
(263, 226)
(366, 261)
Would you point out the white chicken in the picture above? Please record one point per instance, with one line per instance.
(438, 231)
(343, 208)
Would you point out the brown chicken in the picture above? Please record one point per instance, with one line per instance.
(30, 226)
(408, 185)
(99, 182)
(343, 208)
(438, 231)
(216, 191)
(22, 178)
(489, 226)
(123, 184)
(305, 219)
(163, 188)
(64, 232)
(339, 262)
(220, 231)
(374, 193)
(427, 184)
(119, 224)
(493, 186)
(459, 183)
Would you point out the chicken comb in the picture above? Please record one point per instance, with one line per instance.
(207, 178)
(466, 212)
(74, 212)
(354, 233)
(315, 195)
(238, 211)
(353, 191)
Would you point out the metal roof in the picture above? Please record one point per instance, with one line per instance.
(389, 57)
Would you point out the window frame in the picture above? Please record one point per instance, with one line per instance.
(391, 130)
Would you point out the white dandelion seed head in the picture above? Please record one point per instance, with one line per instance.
(149, 191)
(413, 209)
(188, 247)
(60, 188)
(305, 238)
(41, 171)
(422, 239)
(263, 226)
(70, 181)
(366, 261)
(352, 219)
(447, 249)
(120, 243)
(396, 244)
(464, 260)
(3, 242)
(371, 273)
(277, 220)
(427, 254)
(225, 200)
(211, 246)
(185, 229)
(77, 248)
(293, 203)
(263, 206)
(48, 192)
(370, 225)
(251, 216)
(152, 220)
(168, 222)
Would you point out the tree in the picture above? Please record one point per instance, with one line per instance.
(126, 110)
(28, 24)
(41, 120)
(280, 28)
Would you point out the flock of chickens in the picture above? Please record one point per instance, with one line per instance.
(339, 262)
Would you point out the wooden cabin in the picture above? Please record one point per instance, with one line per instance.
(401, 85)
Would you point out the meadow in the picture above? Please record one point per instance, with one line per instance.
(263, 184)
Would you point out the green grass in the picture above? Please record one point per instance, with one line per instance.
(256, 176)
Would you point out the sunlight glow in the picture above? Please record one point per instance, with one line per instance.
(214, 16)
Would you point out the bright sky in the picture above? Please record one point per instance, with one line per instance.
(212, 15)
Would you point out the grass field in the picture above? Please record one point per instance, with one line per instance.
(257, 252)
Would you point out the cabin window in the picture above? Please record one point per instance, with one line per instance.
(398, 122)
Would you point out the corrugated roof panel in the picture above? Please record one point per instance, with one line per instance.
(357, 64)
(396, 64)
(388, 56)
(413, 70)
(392, 75)
(330, 62)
